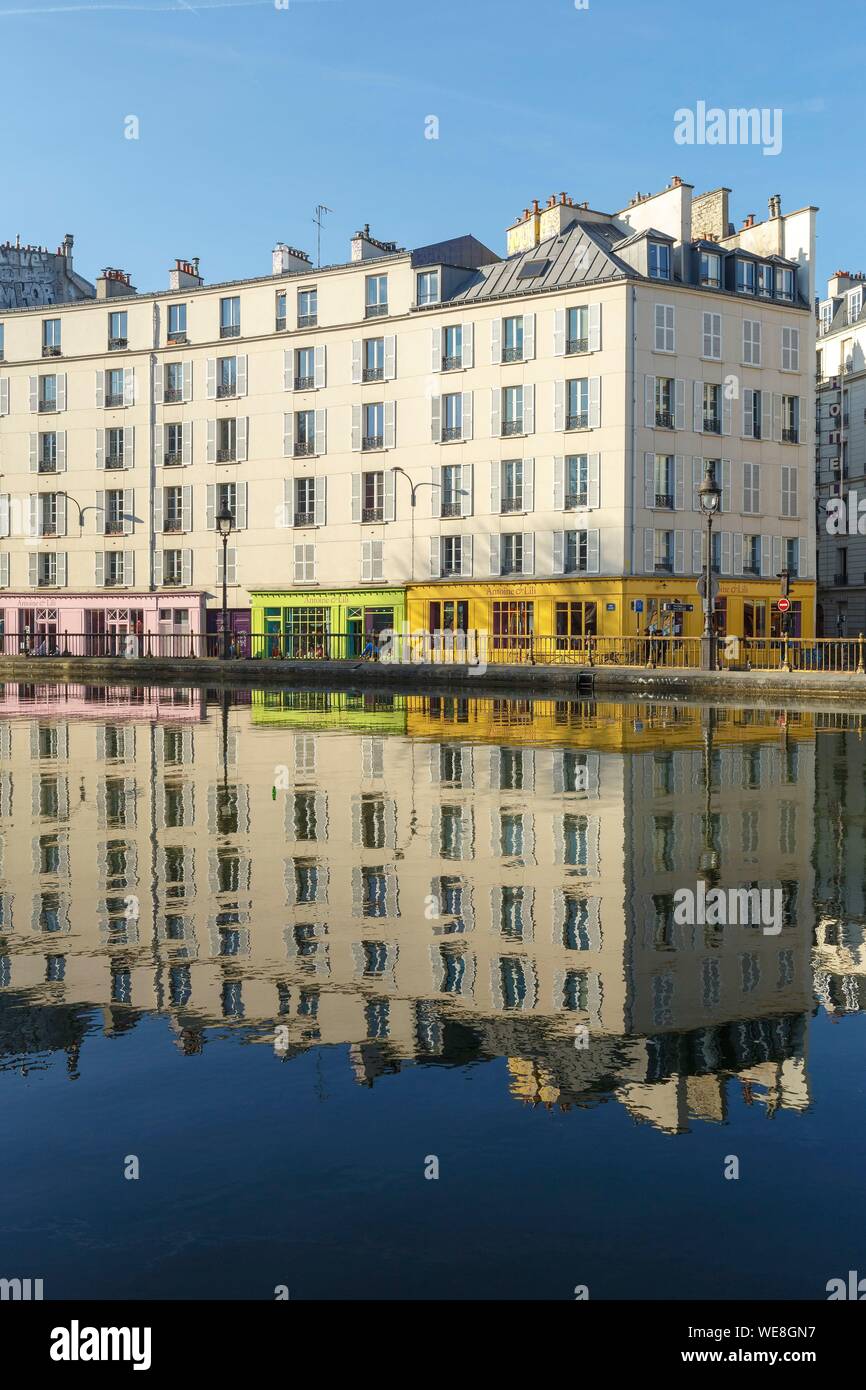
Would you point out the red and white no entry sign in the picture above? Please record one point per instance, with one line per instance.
(783, 604)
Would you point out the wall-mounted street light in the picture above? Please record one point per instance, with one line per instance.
(225, 521)
(710, 497)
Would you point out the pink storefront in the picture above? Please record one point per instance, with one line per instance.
(98, 624)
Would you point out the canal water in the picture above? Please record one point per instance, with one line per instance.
(388, 996)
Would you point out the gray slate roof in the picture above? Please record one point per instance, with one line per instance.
(581, 255)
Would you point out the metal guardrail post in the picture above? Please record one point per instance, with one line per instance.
(861, 669)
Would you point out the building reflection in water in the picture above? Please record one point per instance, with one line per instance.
(431, 879)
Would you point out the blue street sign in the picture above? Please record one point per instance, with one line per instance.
(637, 605)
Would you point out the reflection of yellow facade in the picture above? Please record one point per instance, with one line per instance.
(504, 877)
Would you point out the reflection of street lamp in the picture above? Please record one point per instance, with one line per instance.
(225, 521)
(708, 865)
(710, 495)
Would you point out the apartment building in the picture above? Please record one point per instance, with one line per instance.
(840, 462)
(441, 436)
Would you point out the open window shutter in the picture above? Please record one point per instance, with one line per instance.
(804, 567)
(679, 483)
(592, 551)
(495, 562)
(679, 552)
(495, 411)
(158, 383)
(242, 361)
(61, 390)
(241, 508)
(435, 557)
(466, 556)
(34, 452)
(390, 425)
(129, 446)
(738, 552)
(288, 511)
(593, 474)
(727, 411)
(366, 562)
(186, 566)
(100, 390)
(595, 327)
(158, 445)
(436, 350)
(232, 557)
(356, 496)
(4, 517)
(319, 366)
(496, 487)
(725, 481)
(558, 552)
(288, 374)
(528, 337)
(34, 514)
(648, 550)
(33, 569)
(186, 386)
(211, 441)
(528, 552)
(4, 395)
(748, 429)
(726, 563)
(186, 443)
(242, 438)
(61, 514)
(529, 409)
(319, 487)
(390, 364)
(697, 552)
(766, 544)
(559, 405)
(766, 414)
(99, 568)
(157, 509)
(389, 492)
(467, 415)
(777, 554)
(210, 379)
(129, 568)
(157, 568)
(61, 451)
(698, 404)
(680, 403)
(100, 448)
(496, 341)
(186, 508)
(559, 332)
(559, 484)
(129, 386)
(321, 432)
(697, 479)
(467, 485)
(287, 434)
(436, 419)
(649, 479)
(649, 402)
(756, 343)
(356, 433)
(61, 569)
(128, 510)
(528, 485)
(777, 417)
(594, 402)
(210, 506)
(467, 344)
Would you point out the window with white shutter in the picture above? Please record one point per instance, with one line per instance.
(664, 328)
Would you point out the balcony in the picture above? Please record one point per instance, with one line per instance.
(47, 407)
(228, 455)
(114, 526)
(451, 433)
(117, 344)
(230, 330)
(840, 580)
(664, 419)
(372, 441)
(113, 399)
(114, 460)
(280, 324)
(47, 465)
(304, 448)
(373, 374)
(50, 351)
(791, 436)
(512, 504)
(574, 345)
(664, 566)
(450, 509)
(172, 459)
(711, 282)
(375, 311)
(752, 569)
(172, 395)
(577, 422)
(226, 390)
(307, 320)
(573, 500)
(172, 525)
(712, 424)
(451, 364)
(665, 500)
(372, 513)
(510, 427)
(48, 528)
(304, 383)
(512, 354)
(177, 337)
(305, 518)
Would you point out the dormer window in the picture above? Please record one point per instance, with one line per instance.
(659, 260)
(427, 288)
(765, 281)
(711, 270)
(785, 285)
(855, 305)
(826, 315)
(745, 276)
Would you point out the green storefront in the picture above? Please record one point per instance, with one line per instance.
(365, 711)
(323, 623)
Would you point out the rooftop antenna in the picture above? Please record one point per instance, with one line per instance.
(320, 208)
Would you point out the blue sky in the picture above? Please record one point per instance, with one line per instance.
(249, 115)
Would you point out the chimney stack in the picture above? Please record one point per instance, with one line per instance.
(775, 205)
(113, 283)
(365, 247)
(185, 276)
(287, 258)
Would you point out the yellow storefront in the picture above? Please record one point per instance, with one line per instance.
(605, 607)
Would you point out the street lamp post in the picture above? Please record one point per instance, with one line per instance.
(413, 498)
(710, 495)
(225, 521)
